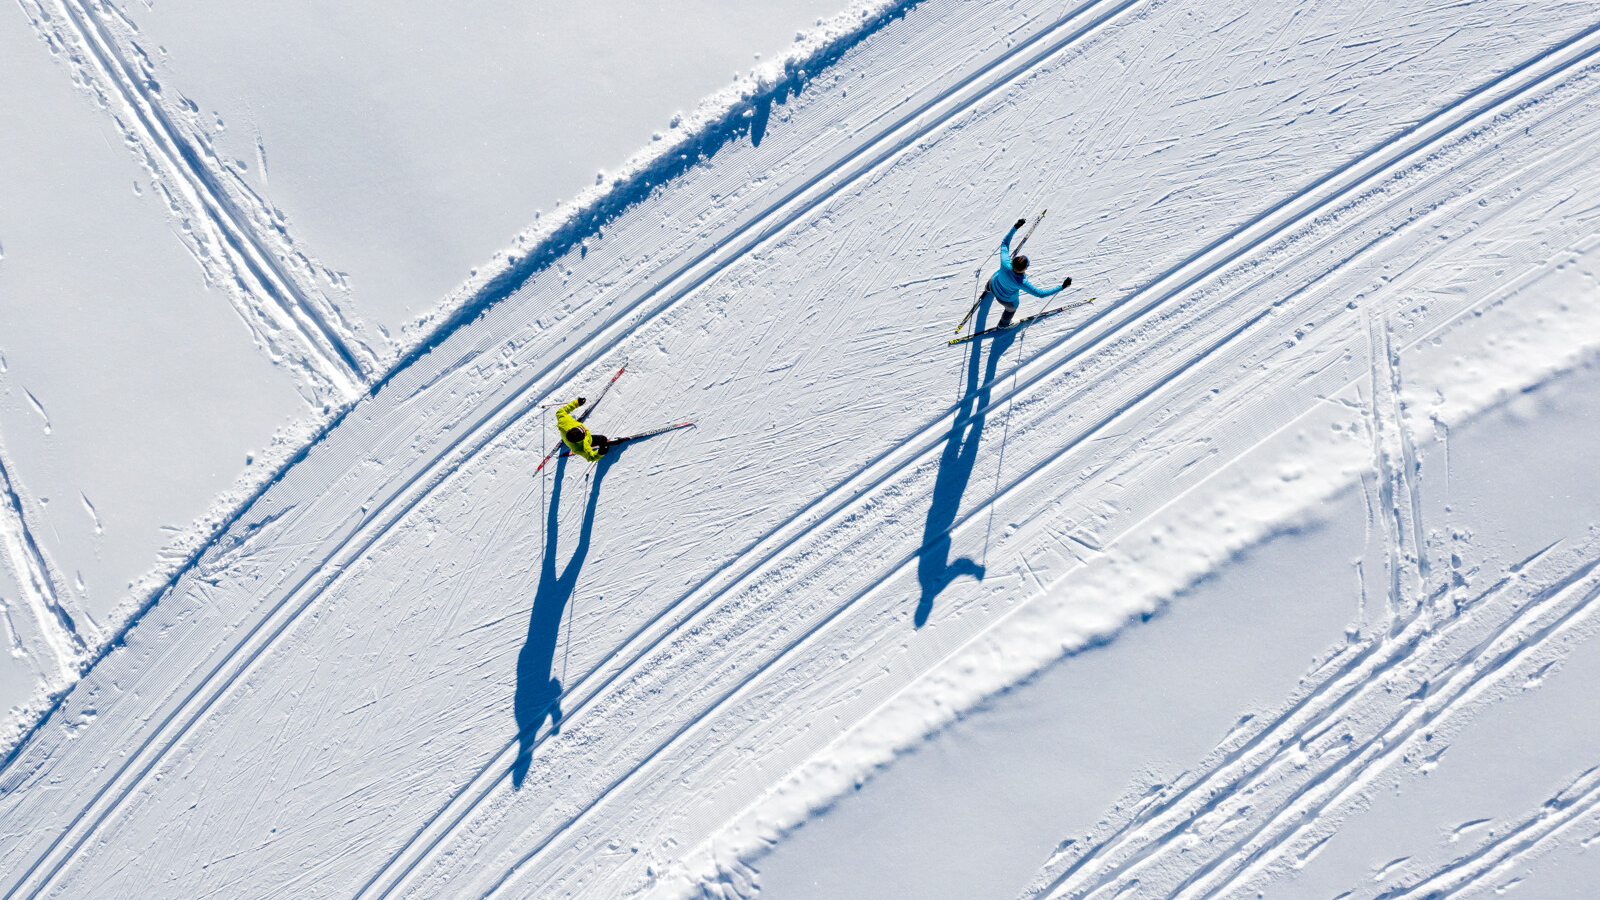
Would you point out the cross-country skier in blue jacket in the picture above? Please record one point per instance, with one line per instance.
(1007, 284)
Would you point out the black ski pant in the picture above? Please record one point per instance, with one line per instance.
(1010, 308)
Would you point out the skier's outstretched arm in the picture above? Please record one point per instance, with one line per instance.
(564, 419)
(1035, 290)
(1005, 245)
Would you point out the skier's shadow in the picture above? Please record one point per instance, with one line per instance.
(935, 569)
(538, 690)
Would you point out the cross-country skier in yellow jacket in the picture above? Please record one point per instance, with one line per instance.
(580, 440)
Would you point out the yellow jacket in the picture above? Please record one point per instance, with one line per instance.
(566, 423)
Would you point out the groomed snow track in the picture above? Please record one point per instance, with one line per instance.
(1203, 347)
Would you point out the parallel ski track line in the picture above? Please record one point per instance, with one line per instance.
(1391, 163)
(1336, 693)
(1572, 804)
(785, 210)
(1463, 679)
(890, 140)
(1207, 781)
(58, 629)
(1586, 43)
(338, 362)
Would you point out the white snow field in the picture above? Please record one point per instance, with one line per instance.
(1318, 457)
(129, 395)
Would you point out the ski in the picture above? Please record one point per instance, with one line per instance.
(1024, 242)
(582, 417)
(1020, 244)
(641, 435)
(974, 307)
(1023, 323)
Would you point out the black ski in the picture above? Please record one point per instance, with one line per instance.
(640, 436)
(1022, 323)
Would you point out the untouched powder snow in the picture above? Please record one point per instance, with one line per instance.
(1324, 244)
(407, 142)
(1049, 758)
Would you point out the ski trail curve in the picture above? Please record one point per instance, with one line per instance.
(1034, 371)
(495, 421)
(882, 144)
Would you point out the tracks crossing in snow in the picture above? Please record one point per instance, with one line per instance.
(1373, 167)
(766, 553)
(670, 289)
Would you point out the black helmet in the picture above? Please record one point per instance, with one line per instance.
(575, 434)
(1019, 263)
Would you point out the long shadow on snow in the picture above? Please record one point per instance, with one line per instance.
(748, 117)
(538, 690)
(935, 569)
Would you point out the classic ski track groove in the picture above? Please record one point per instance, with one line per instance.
(1463, 680)
(901, 133)
(336, 361)
(1573, 803)
(1370, 667)
(1590, 41)
(57, 627)
(1138, 828)
(1291, 210)
(1280, 729)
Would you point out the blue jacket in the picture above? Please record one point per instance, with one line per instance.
(1007, 284)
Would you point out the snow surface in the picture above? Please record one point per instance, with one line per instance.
(173, 427)
(405, 142)
(1345, 268)
(129, 395)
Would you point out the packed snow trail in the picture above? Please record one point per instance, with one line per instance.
(350, 656)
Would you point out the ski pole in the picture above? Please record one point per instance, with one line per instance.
(1036, 220)
(974, 307)
(1020, 244)
(584, 415)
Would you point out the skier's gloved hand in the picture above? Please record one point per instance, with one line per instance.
(1066, 284)
(582, 401)
(1020, 223)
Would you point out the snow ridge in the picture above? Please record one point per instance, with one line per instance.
(741, 110)
(241, 242)
(803, 613)
(971, 677)
(55, 629)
